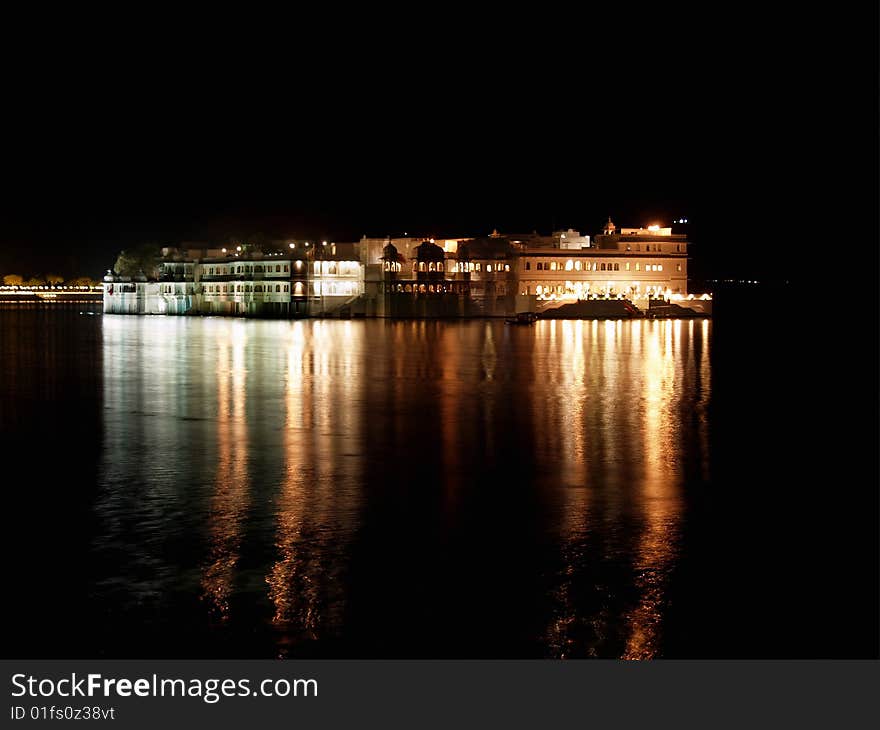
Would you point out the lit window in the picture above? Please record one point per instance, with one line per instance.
(507, 267)
(489, 268)
(659, 267)
(638, 266)
(678, 267)
(627, 265)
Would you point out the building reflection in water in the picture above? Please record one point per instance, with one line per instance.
(228, 505)
(619, 394)
(571, 411)
(297, 485)
(660, 488)
(317, 505)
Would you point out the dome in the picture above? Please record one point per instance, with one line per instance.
(427, 251)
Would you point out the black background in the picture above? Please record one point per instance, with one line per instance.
(757, 127)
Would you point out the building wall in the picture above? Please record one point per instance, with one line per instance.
(354, 278)
(600, 273)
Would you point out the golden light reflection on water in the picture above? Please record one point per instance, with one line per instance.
(270, 446)
(229, 503)
(290, 589)
(617, 397)
(659, 487)
(319, 491)
(573, 438)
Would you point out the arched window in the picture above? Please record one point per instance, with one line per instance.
(439, 266)
(278, 287)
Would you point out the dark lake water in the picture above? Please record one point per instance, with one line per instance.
(200, 487)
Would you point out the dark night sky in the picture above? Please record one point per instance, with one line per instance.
(736, 126)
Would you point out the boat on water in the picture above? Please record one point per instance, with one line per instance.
(522, 318)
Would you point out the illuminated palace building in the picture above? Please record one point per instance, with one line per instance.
(495, 275)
